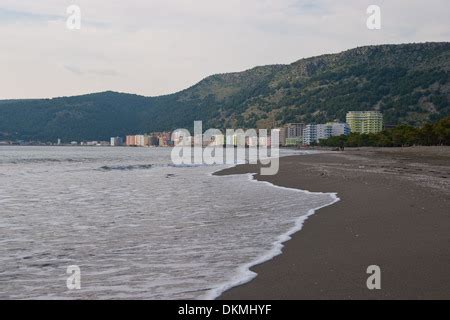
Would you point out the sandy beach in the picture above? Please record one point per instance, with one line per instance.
(394, 212)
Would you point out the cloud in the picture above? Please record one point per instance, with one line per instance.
(74, 70)
(97, 72)
(161, 46)
(9, 16)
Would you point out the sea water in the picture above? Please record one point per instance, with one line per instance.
(137, 226)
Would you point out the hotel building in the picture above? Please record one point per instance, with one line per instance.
(313, 133)
(130, 141)
(135, 141)
(294, 134)
(140, 140)
(365, 121)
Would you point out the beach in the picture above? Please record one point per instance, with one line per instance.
(393, 212)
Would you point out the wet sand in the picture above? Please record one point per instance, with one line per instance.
(394, 212)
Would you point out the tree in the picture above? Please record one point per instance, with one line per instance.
(442, 131)
(401, 136)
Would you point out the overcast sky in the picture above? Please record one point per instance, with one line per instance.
(154, 47)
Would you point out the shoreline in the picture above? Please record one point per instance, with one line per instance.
(246, 272)
(408, 239)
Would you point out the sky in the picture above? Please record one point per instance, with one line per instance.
(155, 47)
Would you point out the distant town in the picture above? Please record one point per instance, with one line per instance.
(290, 135)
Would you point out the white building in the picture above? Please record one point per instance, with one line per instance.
(310, 134)
(313, 133)
(116, 141)
(339, 129)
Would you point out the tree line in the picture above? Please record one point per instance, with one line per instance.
(431, 134)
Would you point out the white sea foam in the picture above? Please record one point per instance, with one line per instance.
(244, 273)
(153, 231)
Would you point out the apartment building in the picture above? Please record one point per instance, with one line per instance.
(313, 133)
(365, 121)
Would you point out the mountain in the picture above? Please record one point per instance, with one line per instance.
(409, 83)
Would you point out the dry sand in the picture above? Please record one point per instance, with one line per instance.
(394, 212)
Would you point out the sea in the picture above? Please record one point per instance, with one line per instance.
(135, 225)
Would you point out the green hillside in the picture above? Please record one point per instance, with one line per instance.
(409, 83)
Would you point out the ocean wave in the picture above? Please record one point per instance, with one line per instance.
(127, 167)
(41, 160)
(146, 166)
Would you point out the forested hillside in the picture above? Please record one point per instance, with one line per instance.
(409, 83)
